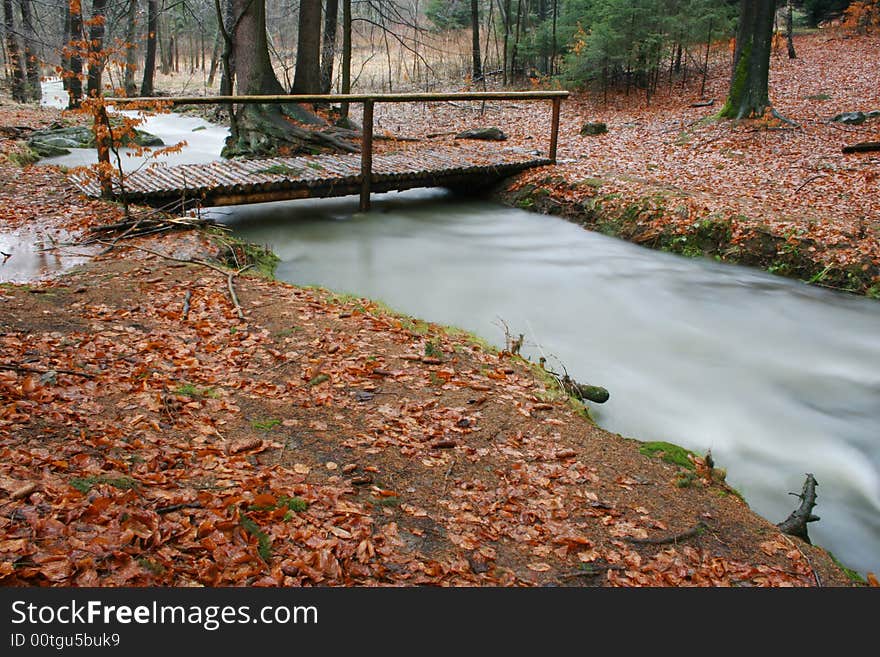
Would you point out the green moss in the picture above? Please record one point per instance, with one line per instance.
(153, 566)
(852, 574)
(433, 350)
(595, 183)
(731, 107)
(239, 253)
(264, 543)
(84, 484)
(23, 157)
(265, 425)
(669, 452)
(190, 390)
(386, 501)
(280, 170)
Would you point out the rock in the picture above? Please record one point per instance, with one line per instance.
(850, 118)
(46, 150)
(592, 128)
(596, 394)
(59, 140)
(489, 134)
(142, 138)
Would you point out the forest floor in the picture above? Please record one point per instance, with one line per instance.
(150, 434)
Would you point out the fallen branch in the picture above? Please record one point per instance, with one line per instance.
(796, 523)
(698, 529)
(232, 295)
(862, 147)
(37, 370)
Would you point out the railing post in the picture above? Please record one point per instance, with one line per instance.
(103, 138)
(554, 129)
(366, 155)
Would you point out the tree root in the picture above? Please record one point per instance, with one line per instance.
(696, 530)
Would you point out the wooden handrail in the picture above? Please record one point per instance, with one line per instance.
(368, 101)
(343, 98)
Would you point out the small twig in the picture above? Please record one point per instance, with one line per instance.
(698, 529)
(808, 181)
(592, 572)
(187, 298)
(177, 507)
(812, 568)
(446, 477)
(232, 295)
(37, 370)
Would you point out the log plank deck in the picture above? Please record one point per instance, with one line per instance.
(236, 182)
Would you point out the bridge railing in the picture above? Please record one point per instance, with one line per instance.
(368, 101)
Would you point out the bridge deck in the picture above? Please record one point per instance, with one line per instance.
(233, 182)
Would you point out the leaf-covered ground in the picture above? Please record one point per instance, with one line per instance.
(763, 193)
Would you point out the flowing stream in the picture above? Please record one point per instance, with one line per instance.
(775, 377)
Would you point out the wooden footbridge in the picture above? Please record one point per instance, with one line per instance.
(234, 182)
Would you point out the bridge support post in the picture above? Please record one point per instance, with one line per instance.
(366, 156)
(554, 129)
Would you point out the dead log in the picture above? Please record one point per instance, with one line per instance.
(862, 147)
(796, 523)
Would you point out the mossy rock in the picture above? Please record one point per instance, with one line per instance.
(669, 452)
(850, 118)
(487, 134)
(593, 128)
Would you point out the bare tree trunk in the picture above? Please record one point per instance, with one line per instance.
(65, 50)
(96, 48)
(130, 49)
(215, 57)
(307, 78)
(346, 53)
(789, 29)
(513, 52)
(265, 129)
(328, 46)
(150, 57)
(227, 78)
(506, 60)
(554, 46)
(749, 95)
(18, 76)
(477, 68)
(74, 87)
(31, 61)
